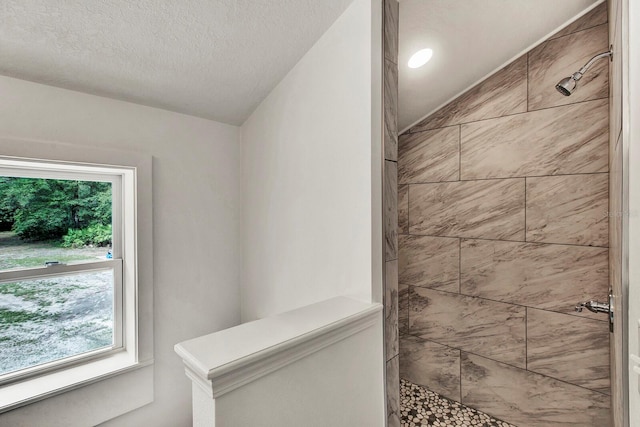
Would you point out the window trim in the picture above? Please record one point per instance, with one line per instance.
(114, 265)
(54, 171)
(137, 352)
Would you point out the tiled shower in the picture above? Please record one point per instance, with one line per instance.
(503, 226)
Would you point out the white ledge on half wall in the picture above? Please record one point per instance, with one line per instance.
(223, 361)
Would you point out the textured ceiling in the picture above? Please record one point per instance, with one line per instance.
(216, 59)
(470, 39)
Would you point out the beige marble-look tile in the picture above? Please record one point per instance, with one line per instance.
(390, 197)
(430, 262)
(615, 76)
(431, 365)
(569, 348)
(556, 59)
(429, 156)
(489, 328)
(391, 19)
(403, 209)
(492, 209)
(403, 309)
(505, 92)
(597, 16)
(529, 399)
(563, 140)
(615, 16)
(390, 110)
(391, 309)
(393, 392)
(570, 209)
(550, 277)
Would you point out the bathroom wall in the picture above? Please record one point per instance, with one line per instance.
(503, 228)
(390, 203)
(196, 210)
(310, 152)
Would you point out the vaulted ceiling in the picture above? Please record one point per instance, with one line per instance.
(469, 39)
(216, 59)
(219, 59)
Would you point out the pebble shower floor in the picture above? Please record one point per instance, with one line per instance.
(422, 407)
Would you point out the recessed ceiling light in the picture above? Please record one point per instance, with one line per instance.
(420, 58)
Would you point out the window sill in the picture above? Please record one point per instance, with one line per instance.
(15, 395)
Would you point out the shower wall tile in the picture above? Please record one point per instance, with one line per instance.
(390, 110)
(390, 197)
(505, 92)
(561, 57)
(391, 309)
(529, 399)
(615, 16)
(504, 227)
(403, 309)
(569, 139)
(429, 156)
(569, 349)
(550, 277)
(489, 328)
(430, 262)
(393, 392)
(615, 69)
(391, 17)
(492, 209)
(432, 365)
(569, 209)
(615, 220)
(403, 209)
(595, 17)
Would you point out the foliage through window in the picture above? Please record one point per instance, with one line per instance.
(60, 271)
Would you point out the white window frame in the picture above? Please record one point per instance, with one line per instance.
(128, 353)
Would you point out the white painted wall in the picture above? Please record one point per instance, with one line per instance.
(310, 152)
(196, 209)
(341, 385)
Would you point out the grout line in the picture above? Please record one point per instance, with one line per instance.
(527, 78)
(409, 291)
(580, 30)
(526, 338)
(460, 368)
(460, 265)
(504, 177)
(509, 303)
(525, 209)
(459, 152)
(508, 364)
(507, 241)
(508, 115)
(408, 210)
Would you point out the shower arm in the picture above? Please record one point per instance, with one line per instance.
(578, 75)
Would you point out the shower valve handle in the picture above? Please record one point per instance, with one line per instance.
(593, 306)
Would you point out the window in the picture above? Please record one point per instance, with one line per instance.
(69, 295)
(60, 268)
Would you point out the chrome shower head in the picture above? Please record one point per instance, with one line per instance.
(567, 85)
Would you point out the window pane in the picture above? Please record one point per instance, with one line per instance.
(53, 220)
(44, 320)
